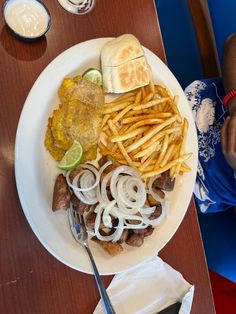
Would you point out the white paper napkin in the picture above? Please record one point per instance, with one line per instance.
(147, 289)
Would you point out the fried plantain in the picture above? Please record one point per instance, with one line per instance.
(78, 117)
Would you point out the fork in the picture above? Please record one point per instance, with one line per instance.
(80, 234)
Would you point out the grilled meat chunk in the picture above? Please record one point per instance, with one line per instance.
(135, 239)
(61, 194)
(146, 231)
(110, 247)
(124, 236)
(164, 182)
(80, 206)
(157, 212)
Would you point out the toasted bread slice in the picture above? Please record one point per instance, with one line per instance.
(128, 76)
(121, 50)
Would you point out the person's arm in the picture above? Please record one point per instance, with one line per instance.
(228, 131)
(229, 69)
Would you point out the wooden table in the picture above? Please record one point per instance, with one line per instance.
(31, 280)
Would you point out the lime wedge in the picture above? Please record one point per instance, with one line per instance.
(93, 75)
(72, 157)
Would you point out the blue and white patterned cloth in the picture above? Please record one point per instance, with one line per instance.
(215, 188)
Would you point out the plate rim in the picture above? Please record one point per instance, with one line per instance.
(17, 170)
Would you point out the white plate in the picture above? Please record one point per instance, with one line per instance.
(36, 170)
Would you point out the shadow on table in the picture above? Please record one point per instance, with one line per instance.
(20, 50)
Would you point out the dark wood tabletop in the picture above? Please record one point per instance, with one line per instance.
(31, 280)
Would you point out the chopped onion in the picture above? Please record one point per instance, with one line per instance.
(116, 173)
(108, 163)
(106, 218)
(88, 197)
(99, 210)
(96, 174)
(132, 202)
(116, 213)
(124, 209)
(119, 230)
(129, 197)
(128, 202)
(83, 198)
(100, 196)
(133, 226)
(104, 187)
(93, 182)
(147, 210)
(115, 236)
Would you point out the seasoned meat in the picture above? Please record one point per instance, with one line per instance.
(124, 236)
(108, 182)
(164, 182)
(148, 231)
(159, 192)
(106, 171)
(74, 173)
(114, 161)
(110, 197)
(90, 222)
(157, 212)
(110, 247)
(135, 239)
(102, 161)
(133, 221)
(139, 231)
(79, 206)
(61, 194)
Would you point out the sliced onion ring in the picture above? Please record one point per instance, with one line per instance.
(94, 172)
(150, 189)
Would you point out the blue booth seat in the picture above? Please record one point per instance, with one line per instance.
(219, 237)
(184, 60)
(223, 16)
(179, 40)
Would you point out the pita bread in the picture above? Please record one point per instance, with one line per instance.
(128, 76)
(120, 50)
(124, 65)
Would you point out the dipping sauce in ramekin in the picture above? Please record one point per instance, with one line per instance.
(27, 19)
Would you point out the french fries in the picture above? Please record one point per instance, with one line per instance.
(144, 129)
(166, 167)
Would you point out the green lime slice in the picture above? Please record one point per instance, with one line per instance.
(93, 75)
(72, 157)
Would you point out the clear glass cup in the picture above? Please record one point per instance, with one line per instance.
(78, 6)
